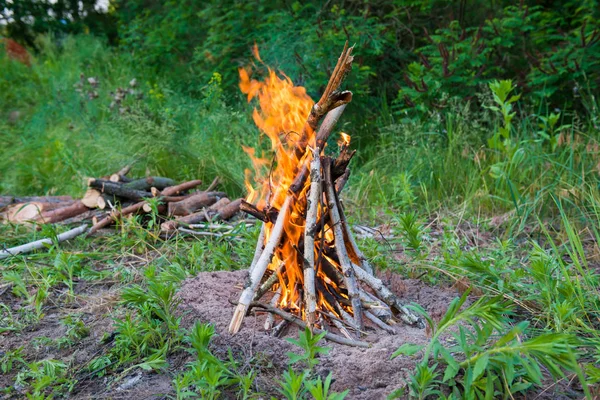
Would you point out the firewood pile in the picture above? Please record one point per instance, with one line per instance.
(183, 207)
(307, 259)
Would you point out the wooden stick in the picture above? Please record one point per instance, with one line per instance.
(38, 244)
(173, 190)
(254, 211)
(340, 245)
(379, 323)
(338, 324)
(376, 306)
(330, 99)
(323, 133)
(268, 284)
(310, 296)
(364, 262)
(260, 245)
(119, 176)
(259, 269)
(113, 216)
(203, 233)
(213, 185)
(297, 321)
(387, 296)
(279, 330)
(271, 317)
(341, 181)
(340, 164)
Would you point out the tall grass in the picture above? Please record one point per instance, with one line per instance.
(61, 136)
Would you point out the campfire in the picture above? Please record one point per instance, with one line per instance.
(306, 254)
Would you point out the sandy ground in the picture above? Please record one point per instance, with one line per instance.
(368, 373)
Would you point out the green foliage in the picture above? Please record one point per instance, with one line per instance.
(551, 51)
(207, 376)
(486, 358)
(307, 342)
(10, 359)
(297, 385)
(24, 20)
(42, 378)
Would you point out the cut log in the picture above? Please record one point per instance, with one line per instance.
(31, 212)
(225, 213)
(118, 189)
(197, 217)
(90, 198)
(194, 203)
(145, 184)
(59, 214)
(9, 200)
(27, 212)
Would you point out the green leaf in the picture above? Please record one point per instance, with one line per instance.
(407, 349)
(514, 98)
(450, 372)
(480, 366)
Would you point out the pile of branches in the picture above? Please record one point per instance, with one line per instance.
(180, 206)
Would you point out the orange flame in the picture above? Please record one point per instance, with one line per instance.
(281, 115)
(344, 139)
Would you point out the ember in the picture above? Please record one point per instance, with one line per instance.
(306, 253)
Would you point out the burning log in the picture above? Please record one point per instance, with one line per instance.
(306, 253)
(314, 200)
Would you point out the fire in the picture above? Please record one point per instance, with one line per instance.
(344, 140)
(281, 115)
(306, 252)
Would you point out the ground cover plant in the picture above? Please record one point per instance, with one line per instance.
(478, 164)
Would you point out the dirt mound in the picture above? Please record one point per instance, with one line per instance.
(368, 373)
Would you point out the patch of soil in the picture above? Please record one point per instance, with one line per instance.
(368, 373)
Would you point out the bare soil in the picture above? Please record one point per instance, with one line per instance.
(368, 373)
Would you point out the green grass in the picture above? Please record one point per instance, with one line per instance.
(529, 197)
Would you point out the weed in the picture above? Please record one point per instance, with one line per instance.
(296, 385)
(308, 342)
(505, 362)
